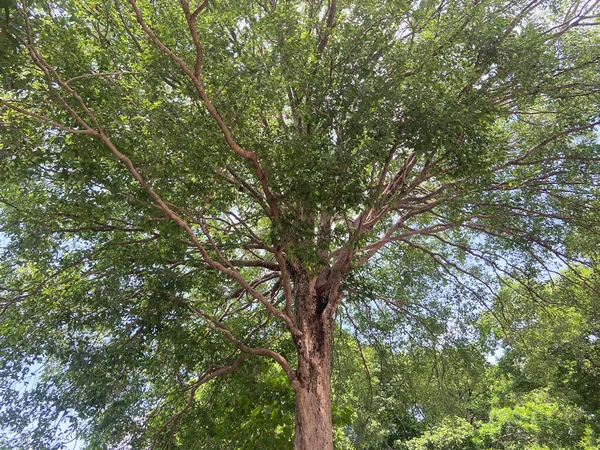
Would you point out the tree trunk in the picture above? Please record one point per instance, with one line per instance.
(313, 414)
(313, 385)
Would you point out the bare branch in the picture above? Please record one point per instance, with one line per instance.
(191, 21)
(330, 24)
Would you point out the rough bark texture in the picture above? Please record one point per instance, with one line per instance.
(313, 414)
(313, 388)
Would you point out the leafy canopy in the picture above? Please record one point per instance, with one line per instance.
(168, 170)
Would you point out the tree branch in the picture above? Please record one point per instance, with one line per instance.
(233, 145)
(209, 374)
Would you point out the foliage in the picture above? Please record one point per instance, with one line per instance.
(551, 341)
(536, 423)
(449, 434)
(259, 414)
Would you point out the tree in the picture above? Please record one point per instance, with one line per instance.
(542, 392)
(186, 186)
(552, 345)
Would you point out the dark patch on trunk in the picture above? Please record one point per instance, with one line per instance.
(319, 337)
(322, 291)
(291, 269)
(321, 302)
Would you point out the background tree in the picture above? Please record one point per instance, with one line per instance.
(551, 349)
(188, 186)
(542, 392)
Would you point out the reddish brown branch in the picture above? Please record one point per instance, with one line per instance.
(197, 82)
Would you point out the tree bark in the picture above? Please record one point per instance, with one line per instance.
(313, 385)
(313, 413)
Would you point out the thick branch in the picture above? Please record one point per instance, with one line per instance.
(221, 327)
